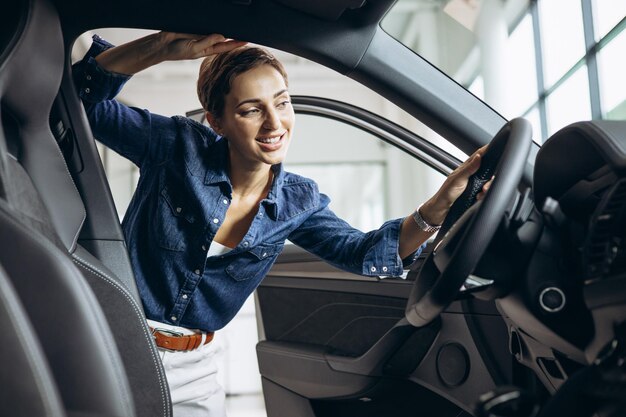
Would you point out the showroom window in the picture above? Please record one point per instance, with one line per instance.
(551, 74)
(611, 70)
(564, 46)
(606, 15)
(522, 62)
(570, 102)
(579, 60)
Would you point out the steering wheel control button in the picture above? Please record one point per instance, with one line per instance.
(453, 364)
(552, 299)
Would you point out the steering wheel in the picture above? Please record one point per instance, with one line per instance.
(468, 227)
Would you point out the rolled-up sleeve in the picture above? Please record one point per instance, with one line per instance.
(94, 84)
(134, 133)
(374, 253)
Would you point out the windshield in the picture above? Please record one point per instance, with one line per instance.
(551, 61)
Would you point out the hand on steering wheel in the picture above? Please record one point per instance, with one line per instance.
(468, 228)
(436, 208)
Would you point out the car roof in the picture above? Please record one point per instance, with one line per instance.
(335, 41)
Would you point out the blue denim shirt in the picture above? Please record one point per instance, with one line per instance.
(181, 200)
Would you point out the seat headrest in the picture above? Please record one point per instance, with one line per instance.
(30, 76)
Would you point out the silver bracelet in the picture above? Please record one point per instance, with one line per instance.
(423, 224)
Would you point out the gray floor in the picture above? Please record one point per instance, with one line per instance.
(245, 406)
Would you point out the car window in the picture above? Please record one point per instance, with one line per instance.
(368, 180)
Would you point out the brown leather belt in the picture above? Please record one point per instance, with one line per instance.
(178, 342)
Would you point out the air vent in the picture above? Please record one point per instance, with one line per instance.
(604, 250)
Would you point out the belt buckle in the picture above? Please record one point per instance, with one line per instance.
(167, 332)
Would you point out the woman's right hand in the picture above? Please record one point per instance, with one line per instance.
(142, 53)
(178, 46)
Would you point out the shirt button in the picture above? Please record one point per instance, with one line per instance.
(178, 209)
(174, 318)
(225, 201)
(87, 91)
(88, 77)
(216, 221)
(184, 296)
(384, 269)
(204, 247)
(264, 254)
(197, 272)
(246, 243)
(373, 269)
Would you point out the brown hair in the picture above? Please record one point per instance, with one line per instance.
(218, 72)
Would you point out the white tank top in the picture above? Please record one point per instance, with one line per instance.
(217, 249)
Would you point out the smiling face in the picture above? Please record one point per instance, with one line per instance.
(257, 119)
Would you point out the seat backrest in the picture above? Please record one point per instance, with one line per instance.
(43, 194)
(132, 335)
(28, 388)
(67, 320)
(35, 234)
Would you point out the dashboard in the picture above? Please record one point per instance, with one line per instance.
(571, 295)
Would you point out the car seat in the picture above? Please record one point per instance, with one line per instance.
(80, 311)
(28, 388)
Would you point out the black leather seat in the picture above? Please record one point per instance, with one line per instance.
(91, 328)
(28, 388)
(63, 311)
(26, 381)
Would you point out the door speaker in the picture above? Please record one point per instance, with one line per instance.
(453, 364)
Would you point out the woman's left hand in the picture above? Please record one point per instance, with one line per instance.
(436, 208)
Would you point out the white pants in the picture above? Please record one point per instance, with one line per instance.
(192, 377)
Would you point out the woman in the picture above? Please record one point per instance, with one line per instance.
(213, 206)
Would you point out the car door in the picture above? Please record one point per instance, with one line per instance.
(337, 344)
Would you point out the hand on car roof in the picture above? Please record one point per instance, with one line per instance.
(142, 53)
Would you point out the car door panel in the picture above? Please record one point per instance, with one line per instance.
(329, 325)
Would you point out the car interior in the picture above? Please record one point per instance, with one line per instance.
(516, 308)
